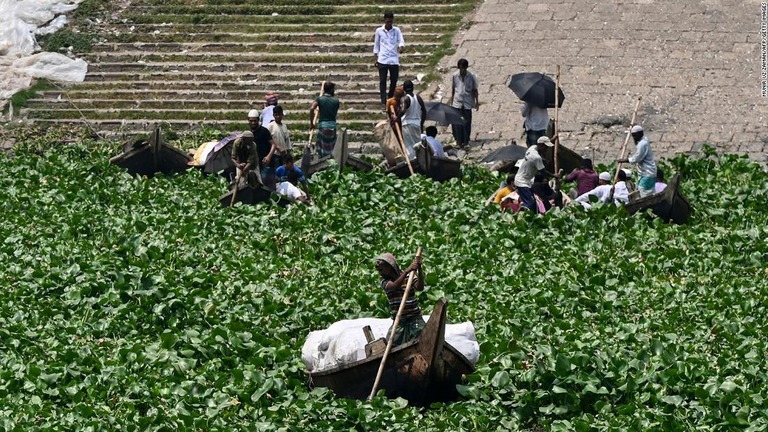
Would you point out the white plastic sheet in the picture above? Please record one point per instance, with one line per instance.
(20, 21)
(344, 342)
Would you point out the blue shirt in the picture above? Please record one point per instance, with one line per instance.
(295, 174)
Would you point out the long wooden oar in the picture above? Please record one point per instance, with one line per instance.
(237, 186)
(402, 143)
(557, 120)
(391, 340)
(626, 139)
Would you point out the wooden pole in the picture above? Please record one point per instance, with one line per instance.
(391, 340)
(402, 145)
(626, 139)
(237, 186)
(557, 119)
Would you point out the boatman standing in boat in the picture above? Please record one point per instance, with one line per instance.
(394, 281)
(643, 158)
(245, 158)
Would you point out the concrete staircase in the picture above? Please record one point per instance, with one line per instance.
(193, 64)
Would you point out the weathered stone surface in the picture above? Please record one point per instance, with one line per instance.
(696, 65)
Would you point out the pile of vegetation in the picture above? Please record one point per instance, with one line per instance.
(140, 304)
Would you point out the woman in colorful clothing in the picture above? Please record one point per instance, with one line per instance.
(328, 106)
(394, 281)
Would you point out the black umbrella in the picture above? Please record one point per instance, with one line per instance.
(443, 113)
(507, 153)
(536, 89)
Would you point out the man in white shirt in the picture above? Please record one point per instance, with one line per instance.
(532, 164)
(464, 97)
(435, 145)
(536, 122)
(388, 44)
(413, 114)
(281, 137)
(605, 192)
(646, 163)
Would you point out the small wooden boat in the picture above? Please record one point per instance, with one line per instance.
(401, 169)
(436, 168)
(423, 371)
(254, 195)
(311, 164)
(149, 157)
(670, 204)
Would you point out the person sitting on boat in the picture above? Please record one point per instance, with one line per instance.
(605, 192)
(548, 196)
(288, 176)
(394, 281)
(585, 178)
(660, 185)
(245, 158)
(643, 158)
(435, 145)
(506, 187)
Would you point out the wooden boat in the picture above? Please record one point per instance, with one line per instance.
(401, 169)
(423, 371)
(670, 204)
(436, 168)
(254, 195)
(312, 164)
(152, 156)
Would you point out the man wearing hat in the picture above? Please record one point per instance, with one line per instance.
(264, 143)
(245, 158)
(643, 158)
(530, 165)
(270, 102)
(393, 282)
(602, 191)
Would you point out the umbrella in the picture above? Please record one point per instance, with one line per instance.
(506, 153)
(536, 89)
(219, 157)
(443, 113)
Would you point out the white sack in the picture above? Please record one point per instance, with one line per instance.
(52, 66)
(344, 342)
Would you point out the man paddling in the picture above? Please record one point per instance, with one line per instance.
(393, 281)
(643, 158)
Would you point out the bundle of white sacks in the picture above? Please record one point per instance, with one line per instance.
(344, 342)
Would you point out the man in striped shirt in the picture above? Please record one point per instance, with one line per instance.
(394, 281)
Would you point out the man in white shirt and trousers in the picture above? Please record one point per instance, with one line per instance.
(536, 122)
(388, 44)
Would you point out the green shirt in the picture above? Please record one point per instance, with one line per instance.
(329, 107)
(243, 151)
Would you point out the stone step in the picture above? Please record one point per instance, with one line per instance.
(299, 135)
(266, 27)
(351, 116)
(370, 19)
(290, 105)
(172, 35)
(153, 3)
(262, 47)
(75, 94)
(238, 66)
(364, 78)
(135, 55)
(309, 86)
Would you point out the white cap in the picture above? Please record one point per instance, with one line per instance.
(545, 140)
(636, 129)
(604, 176)
(253, 113)
(628, 172)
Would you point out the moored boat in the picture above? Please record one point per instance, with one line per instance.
(149, 157)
